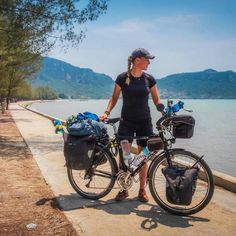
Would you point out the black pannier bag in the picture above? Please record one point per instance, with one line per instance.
(180, 184)
(155, 143)
(183, 126)
(99, 157)
(78, 152)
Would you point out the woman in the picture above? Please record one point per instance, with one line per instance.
(135, 86)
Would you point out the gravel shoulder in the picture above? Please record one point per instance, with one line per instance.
(25, 197)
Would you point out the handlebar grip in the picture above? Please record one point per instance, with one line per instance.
(160, 107)
(111, 120)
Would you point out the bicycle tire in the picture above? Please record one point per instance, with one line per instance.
(204, 189)
(106, 169)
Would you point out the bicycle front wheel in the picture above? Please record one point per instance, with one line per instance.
(204, 186)
(99, 179)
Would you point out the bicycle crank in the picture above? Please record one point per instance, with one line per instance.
(124, 180)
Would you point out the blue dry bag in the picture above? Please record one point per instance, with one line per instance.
(85, 124)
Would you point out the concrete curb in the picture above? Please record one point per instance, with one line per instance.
(225, 181)
(221, 180)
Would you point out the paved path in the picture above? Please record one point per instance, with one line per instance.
(107, 217)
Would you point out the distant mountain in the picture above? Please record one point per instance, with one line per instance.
(73, 81)
(205, 84)
(84, 83)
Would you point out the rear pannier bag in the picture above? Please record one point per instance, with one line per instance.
(183, 126)
(99, 157)
(180, 184)
(78, 152)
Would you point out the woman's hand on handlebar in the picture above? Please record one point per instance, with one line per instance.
(161, 108)
(103, 117)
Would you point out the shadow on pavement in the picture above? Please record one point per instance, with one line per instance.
(156, 216)
(153, 215)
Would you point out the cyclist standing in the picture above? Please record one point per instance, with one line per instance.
(135, 86)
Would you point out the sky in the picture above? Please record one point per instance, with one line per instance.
(184, 35)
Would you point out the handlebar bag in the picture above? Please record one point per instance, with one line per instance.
(180, 184)
(183, 126)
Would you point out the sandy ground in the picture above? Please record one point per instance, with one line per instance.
(25, 197)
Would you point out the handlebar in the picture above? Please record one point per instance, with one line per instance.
(167, 112)
(171, 110)
(161, 119)
(111, 120)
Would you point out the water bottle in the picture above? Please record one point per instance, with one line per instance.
(141, 156)
(126, 152)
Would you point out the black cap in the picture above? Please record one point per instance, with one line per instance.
(141, 52)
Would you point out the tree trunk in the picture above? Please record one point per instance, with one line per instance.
(2, 105)
(9, 90)
(7, 106)
(8, 98)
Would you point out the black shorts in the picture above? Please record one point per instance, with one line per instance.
(136, 128)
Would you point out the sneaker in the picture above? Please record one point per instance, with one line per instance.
(142, 196)
(121, 195)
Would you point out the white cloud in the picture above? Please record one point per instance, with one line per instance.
(179, 19)
(125, 29)
(137, 26)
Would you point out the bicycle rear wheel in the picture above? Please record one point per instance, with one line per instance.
(204, 186)
(99, 179)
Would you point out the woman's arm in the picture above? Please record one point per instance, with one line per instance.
(112, 102)
(157, 100)
(155, 95)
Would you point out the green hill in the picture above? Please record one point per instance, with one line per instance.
(78, 82)
(205, 84)
(73, 81)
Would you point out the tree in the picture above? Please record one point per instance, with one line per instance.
(18, 57)
(62, 96)
(23, 91)
(51, 21)
(31, 28)
(44, 93)
(19, 60)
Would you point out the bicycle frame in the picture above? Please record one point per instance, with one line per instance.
(154, 154)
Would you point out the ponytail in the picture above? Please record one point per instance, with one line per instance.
(127, 81)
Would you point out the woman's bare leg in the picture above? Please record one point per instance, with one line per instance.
(143, 180)
(142, 172)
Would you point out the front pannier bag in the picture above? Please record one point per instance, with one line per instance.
(78, 152)
(183, 126)
(180, 184)
(155, 143)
